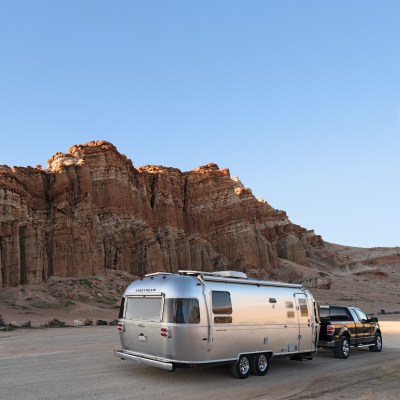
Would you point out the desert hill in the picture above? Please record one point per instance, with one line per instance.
(74, 234)
(92, 210)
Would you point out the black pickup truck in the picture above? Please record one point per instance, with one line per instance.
(342, 327)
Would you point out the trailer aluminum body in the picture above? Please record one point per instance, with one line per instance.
(194, 318)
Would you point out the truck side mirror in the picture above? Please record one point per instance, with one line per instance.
(373, 319)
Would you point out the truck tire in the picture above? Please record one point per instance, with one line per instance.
(259, 364)
(241, 368)
(342, 349)
(377, 346)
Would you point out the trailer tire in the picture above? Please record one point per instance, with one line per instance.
(377, 346)
(259, 364)
(241, 368)
(342, 349)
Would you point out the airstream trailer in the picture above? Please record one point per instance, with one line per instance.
(194, 319)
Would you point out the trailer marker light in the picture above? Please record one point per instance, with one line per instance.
(330, 329)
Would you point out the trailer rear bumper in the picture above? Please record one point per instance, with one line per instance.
(144, 360)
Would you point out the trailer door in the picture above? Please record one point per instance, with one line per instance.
(306, 325)
(142, 324)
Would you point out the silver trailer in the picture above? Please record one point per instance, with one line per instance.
(195, 318)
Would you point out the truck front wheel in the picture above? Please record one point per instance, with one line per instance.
(377, 346)
(342, 349)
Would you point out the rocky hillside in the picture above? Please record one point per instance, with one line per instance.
(91, 210)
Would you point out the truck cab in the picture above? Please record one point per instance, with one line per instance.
(344, 326)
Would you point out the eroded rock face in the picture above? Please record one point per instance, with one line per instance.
(91, 210)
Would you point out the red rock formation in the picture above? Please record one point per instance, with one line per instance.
(91, 210)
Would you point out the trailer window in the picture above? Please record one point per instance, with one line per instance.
(303, 307)
(143, 308)
(121, 308)
(181, 311)
(221, 304)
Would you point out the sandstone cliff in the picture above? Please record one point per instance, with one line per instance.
(91, 210)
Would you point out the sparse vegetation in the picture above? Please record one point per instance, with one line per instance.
(85, 282)
(8, 328)
(55, 323)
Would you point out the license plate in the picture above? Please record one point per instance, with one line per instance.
(142, 338)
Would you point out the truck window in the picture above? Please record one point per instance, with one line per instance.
(181, 311)
(339, 314)
(221, 304)
(361, 316)
(324, 313)
(335, 313)
(143, 308)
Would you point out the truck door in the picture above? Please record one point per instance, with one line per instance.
(306, 322)
(223, 343)
(363, 327)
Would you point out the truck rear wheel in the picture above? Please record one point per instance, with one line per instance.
(377, 346)
(342, 349)
(259, 364)
(241, 368)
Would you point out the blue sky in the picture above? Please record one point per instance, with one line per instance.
(299, 99)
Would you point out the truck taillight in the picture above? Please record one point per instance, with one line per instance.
(330, 329)
(121, 327)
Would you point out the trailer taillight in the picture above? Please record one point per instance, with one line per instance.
(330, 329)
(121, 327)
(166, 332)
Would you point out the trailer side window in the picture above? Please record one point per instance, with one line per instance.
(303, 307)
(121, 308)
(221, 303)
(181, 311)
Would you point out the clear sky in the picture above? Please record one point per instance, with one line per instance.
(299, 99)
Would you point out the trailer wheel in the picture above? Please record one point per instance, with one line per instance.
(259, 364)
(241, 368)
(342, 349)
(377, 346)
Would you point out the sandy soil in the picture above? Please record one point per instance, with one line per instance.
(81, 363)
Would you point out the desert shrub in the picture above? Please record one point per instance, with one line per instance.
(55, 323)
(86, 283)
(8, 328)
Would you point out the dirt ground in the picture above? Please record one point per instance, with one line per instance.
(369, 278)
(93, 298)
(78, 363)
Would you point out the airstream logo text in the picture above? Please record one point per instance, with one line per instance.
(146, 290)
